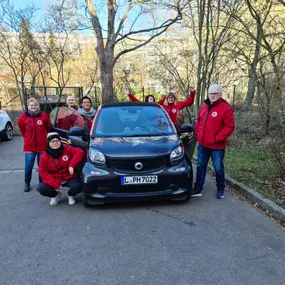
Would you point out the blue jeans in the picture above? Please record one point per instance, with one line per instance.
(217, 156)
(29, 164)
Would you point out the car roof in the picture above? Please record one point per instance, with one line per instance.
(120, 104)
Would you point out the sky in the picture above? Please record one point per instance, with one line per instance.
(102, 13)
(23, 3)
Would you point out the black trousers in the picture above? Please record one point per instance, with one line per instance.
(74, 184)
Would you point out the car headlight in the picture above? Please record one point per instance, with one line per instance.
(177, 153)
(97, 156)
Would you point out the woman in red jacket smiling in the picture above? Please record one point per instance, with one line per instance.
(57, 170)
(34, 126)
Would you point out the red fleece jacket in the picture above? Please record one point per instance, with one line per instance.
(214, 124)
(172, 109)
(34, 129)
(54, 171)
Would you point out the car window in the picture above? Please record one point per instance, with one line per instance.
(65, 118)
(132, 121)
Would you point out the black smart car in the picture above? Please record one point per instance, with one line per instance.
(134, 152)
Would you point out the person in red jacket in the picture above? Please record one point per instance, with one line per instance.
(57, 170)
(214, 124)
(148, 99)
(87, 111)
(172, 105)
(34, 126)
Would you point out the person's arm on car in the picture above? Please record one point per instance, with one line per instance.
(77, 155)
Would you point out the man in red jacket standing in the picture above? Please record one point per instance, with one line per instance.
(214, 124)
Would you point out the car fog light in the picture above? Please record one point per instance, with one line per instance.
(180, 169)
(95, 173)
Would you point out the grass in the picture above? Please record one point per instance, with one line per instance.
(255, 168)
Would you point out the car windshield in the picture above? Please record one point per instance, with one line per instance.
(65, 118)
(132, 121)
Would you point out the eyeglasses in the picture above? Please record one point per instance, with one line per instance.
(214, 94)
(55, 141)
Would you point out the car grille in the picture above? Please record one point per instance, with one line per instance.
(128, 165)
(137, 190)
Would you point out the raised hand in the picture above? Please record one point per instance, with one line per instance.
(191, 87)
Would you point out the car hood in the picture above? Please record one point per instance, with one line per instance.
(135, 146)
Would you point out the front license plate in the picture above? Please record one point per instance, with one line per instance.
(130, 180)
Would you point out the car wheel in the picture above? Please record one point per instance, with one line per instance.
(8, 132)
(184, 198)
(85, 201)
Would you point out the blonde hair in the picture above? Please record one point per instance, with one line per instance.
(70, 95)
(171, 93)
(33, 100)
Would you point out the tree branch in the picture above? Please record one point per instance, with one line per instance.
(142, 44)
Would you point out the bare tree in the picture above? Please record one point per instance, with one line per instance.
(16, 43)
(211, 31)
(61, 24)
(116, 34)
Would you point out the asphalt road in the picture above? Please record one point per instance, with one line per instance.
(206, 241)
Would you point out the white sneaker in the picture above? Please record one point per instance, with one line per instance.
(71, 200)
(54, 201)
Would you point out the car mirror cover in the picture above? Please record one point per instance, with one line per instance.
(76, 131)
(186, 128)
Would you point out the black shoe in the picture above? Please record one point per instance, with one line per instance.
(196, 193)
(27, 187)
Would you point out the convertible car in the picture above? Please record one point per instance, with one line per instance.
(133, 152)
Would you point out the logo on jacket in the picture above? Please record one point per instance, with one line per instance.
(173, 110)
(40, 122)
(214, 114)
(65, 158)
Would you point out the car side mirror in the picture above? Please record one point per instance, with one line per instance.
(185, 128)
(76, 131)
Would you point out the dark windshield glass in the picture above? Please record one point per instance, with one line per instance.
(132, 121)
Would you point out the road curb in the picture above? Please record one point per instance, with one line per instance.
(266, 204)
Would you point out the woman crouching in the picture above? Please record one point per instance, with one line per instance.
(57, 170)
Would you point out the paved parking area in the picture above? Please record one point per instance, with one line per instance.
(206, 241)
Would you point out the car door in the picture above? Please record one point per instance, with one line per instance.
(189, 139)
(63, 120)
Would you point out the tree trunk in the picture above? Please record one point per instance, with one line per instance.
(107, 78)
(252, 73)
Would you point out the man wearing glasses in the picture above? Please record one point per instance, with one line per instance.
(214, 124)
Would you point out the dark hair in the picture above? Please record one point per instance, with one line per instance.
(150, 95)
(86, 97)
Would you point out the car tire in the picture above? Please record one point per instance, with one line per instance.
(8, 132)
(85, 201)
(184, 198)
